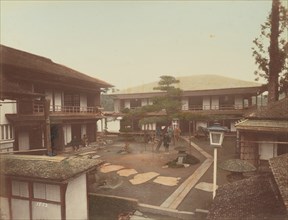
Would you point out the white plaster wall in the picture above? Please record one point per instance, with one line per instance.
(83, 130)
(215, 102)
(150, 102)
(7, 108)
(113, 125)
(232, 126)
(238, 102)
(58, 100)
(41, 210)
(67, 133)
(48, 94)
(127, 104)
(20, 209)
(76, 199)
(206, 103)
(185, 103)
(4, 206)
(116, 105)
(83, 100)
(267, 150)
(23, 140)
(100, 125)
(144, 102)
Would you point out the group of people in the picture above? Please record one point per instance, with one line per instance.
(76, 142)
(167, 135)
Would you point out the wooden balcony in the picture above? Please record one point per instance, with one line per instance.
(57, 109)
(213, 107)
(219, 109)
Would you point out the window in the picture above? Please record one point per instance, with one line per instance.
(134, 103)
(46, 191)
(20, 188)
(71, 99)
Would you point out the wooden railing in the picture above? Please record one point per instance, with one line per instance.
(213, 107)
(39, 108)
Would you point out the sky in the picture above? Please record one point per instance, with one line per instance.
(129, 43)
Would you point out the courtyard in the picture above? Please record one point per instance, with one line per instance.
(142, 175)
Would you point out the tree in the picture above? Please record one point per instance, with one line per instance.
(272, 59)
(168, 102)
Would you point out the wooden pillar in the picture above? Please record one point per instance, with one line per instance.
(47, 135)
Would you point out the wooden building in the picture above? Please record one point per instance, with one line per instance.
(263, 134)
(42, 187)
(223, 97)
(72, 102)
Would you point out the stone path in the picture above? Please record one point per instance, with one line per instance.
(174, 200)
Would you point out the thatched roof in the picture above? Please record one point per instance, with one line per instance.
(237, 165)
(56, 168)
(275, 110)
(14, 61)
(252, 198)
(195, 83)
(279, 167)
(263, 125)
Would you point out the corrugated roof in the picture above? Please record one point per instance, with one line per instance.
(279, 167)
(194, 83)
(43, 167)
(19, 59)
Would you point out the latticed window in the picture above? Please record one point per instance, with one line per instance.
(71, 99)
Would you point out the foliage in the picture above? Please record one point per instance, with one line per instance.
(106, 101)
(169, 103)
(270, 51)
(188, 159)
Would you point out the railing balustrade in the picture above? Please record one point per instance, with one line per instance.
(213, 107)
(39, 108)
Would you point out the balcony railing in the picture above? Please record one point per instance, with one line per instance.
(39, 108)
(213, 107)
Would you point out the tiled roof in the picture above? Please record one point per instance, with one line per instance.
(195, 83)
(279, 167)
(276, 110)
(44, 167)
(247, 199)
(14, 59)
(10, 90)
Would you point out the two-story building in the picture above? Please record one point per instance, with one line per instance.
(72, 102)
(225, 98)
(263, 133)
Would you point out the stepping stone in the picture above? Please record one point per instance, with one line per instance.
(143, 177)
(208, 187)
(110, 168)
(167, 181)
(126, 172)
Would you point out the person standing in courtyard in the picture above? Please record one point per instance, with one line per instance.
(177, 133)
(166, 141)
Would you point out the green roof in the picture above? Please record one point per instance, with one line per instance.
(194, 83)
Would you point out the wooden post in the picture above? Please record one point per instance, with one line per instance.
(47, 135)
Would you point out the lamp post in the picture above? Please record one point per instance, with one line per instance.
(216, 136)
